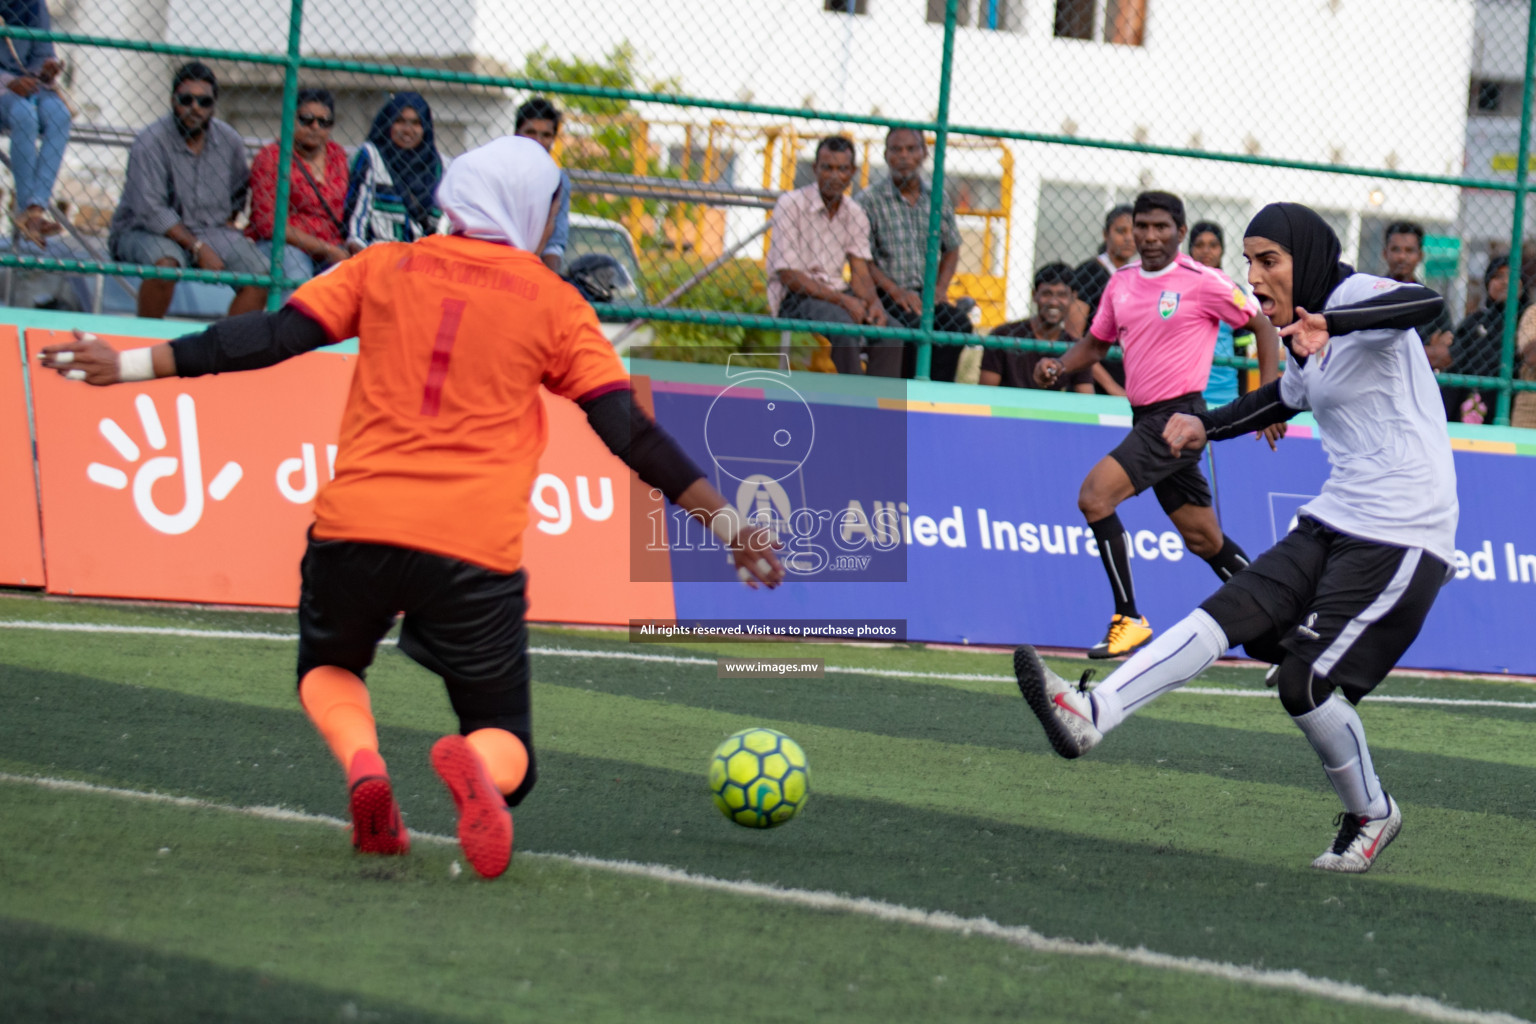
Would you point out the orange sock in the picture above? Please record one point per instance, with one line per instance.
(504, 755)
(337, 702)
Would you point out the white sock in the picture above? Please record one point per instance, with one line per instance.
(1336, 733)
(1167, 663)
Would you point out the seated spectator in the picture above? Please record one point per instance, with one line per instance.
(1523, 411)
(1478, 346)
(1207, 247)
(317, 192)
(1013, 368)
(897, 208)
(38, 119)
(187, 182)
(1089, 281)
(390, 197)
(1403, 251)
(539, 120)
(817, 230)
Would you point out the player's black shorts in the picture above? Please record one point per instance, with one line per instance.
(462, 621)
(1350, 607)
(1175, 479)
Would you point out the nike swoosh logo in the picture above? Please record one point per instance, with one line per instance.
(1371, 850)
(1060, 700)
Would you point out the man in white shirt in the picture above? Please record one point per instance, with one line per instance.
(816, 231)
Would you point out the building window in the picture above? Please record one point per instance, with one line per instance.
(1125, 22)
(1074, 19)
(846, 6)
(1118, 22)
(991, 15)
(1493, 98)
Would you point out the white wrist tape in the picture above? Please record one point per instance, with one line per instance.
(723, 525)
(136, 364)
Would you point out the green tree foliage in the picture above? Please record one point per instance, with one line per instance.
(603, 134)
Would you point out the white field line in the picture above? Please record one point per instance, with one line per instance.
(936, 920)
(673, 659)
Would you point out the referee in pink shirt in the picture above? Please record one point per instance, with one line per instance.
(1164, 311)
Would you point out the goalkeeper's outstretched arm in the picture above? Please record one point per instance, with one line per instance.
(250, 341)
(656, 458)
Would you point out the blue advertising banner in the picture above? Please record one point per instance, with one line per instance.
(973, 534)
(1477, 624)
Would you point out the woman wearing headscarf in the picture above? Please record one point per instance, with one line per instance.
(440, 442)
(37, 117)
(1338, 600)
(1478, 344)
(390, 196)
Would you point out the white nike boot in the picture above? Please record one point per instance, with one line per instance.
(1065, 710)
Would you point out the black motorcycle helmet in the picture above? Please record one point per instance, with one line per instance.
(598, 277)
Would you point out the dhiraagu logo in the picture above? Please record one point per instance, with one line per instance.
(158, 467)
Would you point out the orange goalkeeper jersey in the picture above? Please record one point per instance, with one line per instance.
(443, 427)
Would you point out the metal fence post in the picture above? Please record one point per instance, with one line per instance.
(1517, 232)
(285, 153)
(936, 198)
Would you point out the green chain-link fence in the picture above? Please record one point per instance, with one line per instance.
(682, 126)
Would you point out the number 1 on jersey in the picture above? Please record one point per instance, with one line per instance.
(442, 351)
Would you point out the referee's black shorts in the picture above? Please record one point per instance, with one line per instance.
(1175, 479)
(462, 621)
(1349, 607)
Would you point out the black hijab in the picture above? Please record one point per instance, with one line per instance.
(1314, 248)
(416, 172)
(1495, 265)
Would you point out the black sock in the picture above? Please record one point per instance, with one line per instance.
(1229, 561)
(1114, 551)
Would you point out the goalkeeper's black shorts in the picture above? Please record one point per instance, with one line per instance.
(462, 621)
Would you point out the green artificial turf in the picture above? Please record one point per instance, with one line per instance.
(1188, 832)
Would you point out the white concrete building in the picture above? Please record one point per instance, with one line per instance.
(1368, 83)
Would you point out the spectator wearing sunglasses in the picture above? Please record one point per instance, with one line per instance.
(317, 192)
(187, 182)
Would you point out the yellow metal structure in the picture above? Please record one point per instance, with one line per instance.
(698, 229)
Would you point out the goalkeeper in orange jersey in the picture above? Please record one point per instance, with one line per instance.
(439, 448)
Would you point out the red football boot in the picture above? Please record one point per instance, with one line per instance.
(376, 824)
(485, 822)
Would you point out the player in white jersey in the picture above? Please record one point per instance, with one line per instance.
(1338, 600)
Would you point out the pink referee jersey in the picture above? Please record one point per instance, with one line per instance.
(1166, 323)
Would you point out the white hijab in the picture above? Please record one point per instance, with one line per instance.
(500, 192)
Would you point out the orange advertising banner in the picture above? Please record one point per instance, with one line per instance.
(21, 550)
(202, 490)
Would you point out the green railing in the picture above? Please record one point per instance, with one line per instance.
(294, 63)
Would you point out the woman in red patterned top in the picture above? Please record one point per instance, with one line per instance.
(317, 191)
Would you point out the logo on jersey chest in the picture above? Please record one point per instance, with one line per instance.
(1167, 304)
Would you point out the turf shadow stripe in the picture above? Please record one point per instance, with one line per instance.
(53, 974)
(205, 747)
(892, 707)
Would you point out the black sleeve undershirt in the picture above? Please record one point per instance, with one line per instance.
(249, 341)
(1254, 411)
(1397, 309)
(643, 445)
